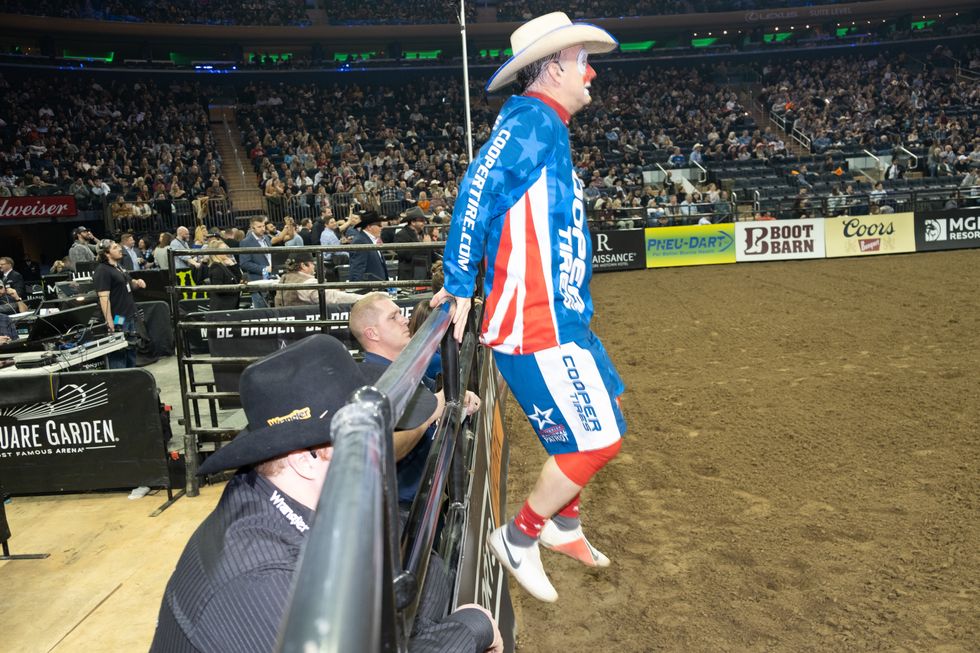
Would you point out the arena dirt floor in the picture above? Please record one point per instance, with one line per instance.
(801, 472)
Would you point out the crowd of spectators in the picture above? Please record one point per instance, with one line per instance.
(385, 146)
(878, 103)
(333, 148)
(424, 12)
(518, 10)
(379, 146)
(350, 12)
(211, 12)
(135, 146)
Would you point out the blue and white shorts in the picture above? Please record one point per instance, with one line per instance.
(569, 394)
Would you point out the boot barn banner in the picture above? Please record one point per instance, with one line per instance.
(779, 241)
(24, 208)
(262, 339)
(102, 431)
(951, 229)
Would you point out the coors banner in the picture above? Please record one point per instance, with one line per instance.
(102, 431)
(25, 208)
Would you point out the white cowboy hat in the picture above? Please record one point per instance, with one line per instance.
(546, 35)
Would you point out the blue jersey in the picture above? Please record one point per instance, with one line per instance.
(521, 207)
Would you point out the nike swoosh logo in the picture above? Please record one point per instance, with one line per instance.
(513, 563)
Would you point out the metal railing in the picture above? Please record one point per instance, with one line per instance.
(168, 214)
(890, 201)
(202, 420)
(913, 158)
(362, 564)
(878, 165)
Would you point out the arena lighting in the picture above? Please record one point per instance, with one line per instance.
(104, 57)
(636, 46)
(703, 42)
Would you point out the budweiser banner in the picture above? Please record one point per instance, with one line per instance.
(26, 208)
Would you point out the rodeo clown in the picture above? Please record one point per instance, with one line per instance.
(521, 208)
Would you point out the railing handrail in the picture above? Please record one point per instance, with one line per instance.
(358, 563)
(703, 176)
(914, 157)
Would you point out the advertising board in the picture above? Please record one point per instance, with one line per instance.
(950, 229)
(101, 431)
(868, 235)
(618, 250)
(690, 245)
(779, 240)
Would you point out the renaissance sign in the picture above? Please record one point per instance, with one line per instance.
(618, 250)
(21, 208)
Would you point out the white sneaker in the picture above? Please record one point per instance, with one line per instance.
(573, 544)
(139, 493)
(524, 563)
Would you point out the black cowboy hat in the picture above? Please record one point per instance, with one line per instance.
(289, 398)
(368, 218)
(413, 214)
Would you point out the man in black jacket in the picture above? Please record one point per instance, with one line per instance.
(368, 265)
(11, 277)
(231, 586)
(411, 262)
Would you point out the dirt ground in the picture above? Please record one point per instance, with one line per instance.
(801, 471)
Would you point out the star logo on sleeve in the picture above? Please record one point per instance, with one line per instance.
(530, 149)
(542, 417)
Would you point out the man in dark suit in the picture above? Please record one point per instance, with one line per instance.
(131, 259)
(256, 266)
(368, 265)
(411, 262)
(11, 277)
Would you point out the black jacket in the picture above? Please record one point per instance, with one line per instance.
(231, 585)
(15, 281)
(366, 265)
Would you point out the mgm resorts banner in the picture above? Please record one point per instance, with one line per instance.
(102, 431)
(261, 339)
(867, 235)
(779, 241)
(950, 229)
(618, 250)
(708, 244)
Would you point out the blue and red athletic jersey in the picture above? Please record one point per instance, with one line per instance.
(521, 208)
